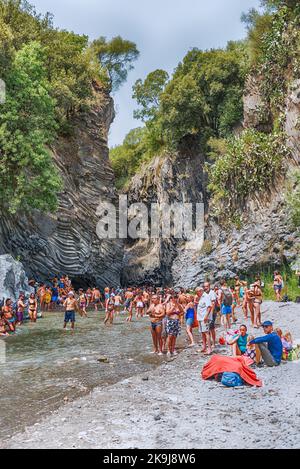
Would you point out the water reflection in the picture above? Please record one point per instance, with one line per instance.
(45, 365)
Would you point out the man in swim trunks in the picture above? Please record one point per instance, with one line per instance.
(129, 295)
(97, 298)
(70, 306)
(20, 309)
(8, 315)
(156, 313)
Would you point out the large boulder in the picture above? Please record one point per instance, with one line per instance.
(13, 278)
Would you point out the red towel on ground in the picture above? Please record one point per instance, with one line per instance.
(219, 364)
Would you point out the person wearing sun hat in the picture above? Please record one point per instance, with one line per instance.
(269, 346)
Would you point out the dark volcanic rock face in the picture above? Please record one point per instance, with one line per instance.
(66, 242)
(165, 180)
(266, 237)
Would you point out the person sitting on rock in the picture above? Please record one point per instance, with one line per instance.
(239, 342)
(3, 326)
(8, 315)
(268, 347)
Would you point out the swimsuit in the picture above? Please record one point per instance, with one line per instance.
(154, 325)
(173, 327)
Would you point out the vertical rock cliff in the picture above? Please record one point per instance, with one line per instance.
(66, 242)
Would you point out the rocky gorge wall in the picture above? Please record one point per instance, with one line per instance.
(66, 242)
(166, 180)
(266, 237)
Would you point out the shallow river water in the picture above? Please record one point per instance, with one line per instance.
(45, 366)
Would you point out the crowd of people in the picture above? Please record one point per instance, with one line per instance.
(169, 311)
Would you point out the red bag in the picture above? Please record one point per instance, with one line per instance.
(196, 322)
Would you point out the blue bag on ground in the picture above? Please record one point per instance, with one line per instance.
(232, 379)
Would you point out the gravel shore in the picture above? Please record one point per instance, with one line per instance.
(172, 407)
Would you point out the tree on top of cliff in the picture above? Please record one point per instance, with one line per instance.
(279, 3)
(116, 57)
(147, 94)
(204, 97)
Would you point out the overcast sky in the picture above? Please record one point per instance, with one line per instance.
(164, 30)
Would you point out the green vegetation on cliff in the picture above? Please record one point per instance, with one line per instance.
(203, 98)
(49, 75)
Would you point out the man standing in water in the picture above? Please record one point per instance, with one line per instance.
(156, 313)
(96, 298)
(71, 306)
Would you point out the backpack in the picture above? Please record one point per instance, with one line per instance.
(231, 380)
(227, 298)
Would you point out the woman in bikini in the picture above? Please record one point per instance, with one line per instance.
(82, 303)
(257, 302)
(109, 308)
(89, 296)
(277, 285)
(32, 307)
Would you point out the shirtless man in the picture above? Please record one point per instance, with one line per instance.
(97, 298)
(129, 295)
(70, 306)
(156, 313)
(146, 300)
(8, 315)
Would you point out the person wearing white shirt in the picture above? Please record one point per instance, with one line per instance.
(213, 298)
(204, 316)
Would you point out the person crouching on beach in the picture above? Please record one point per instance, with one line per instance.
(70, 306)
(82, 303)
(32, 307)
